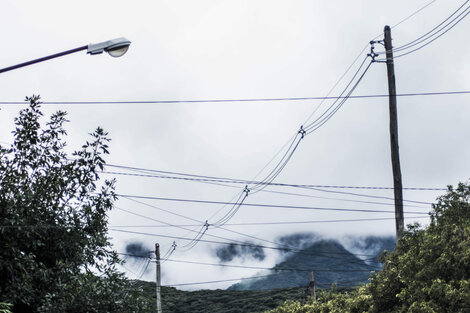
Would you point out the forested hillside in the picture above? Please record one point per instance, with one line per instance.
(328, 259)
(220, 301)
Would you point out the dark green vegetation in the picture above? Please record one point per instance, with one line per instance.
(54, 252)
(221, 301)
(332, 263)
(429, 271)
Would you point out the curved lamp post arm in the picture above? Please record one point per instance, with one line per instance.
(116, 48)
(52, 56)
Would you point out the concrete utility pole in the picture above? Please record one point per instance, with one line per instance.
(158, 285)
(397, 184)
(311, 287)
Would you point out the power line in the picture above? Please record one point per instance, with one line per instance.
(261, 205)
(433, 34)
(195, 177)
(276, 223)
(253, 267)
(241, 100)
(300, 251)
(212, 179)
(434, 39)
(202, 178)
(365, 195)
(285, 159)
(217, 281)
(411, 15)
(334, 107)
(423, 37)
(202, 231)
(226, 225)
(270, 268)
(206, 226)
(248, 278)
(216, 180)
(200, 234)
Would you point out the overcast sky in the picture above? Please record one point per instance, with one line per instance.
(236, 49)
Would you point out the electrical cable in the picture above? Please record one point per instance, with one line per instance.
(269, 268)
(310, 187)
(203, 178)
(138, 277)
(250, 278)
(411, 15)
(287, 156)
(434, 39)
(240, 100)
(173, 225)
(429, 33)
(217, 281)
(320, 122)
(341, 95)
(236, 244)
(275, 223)
(262, 205)
(345, 282)
(200, 234)
(299, 186)
(278, 245)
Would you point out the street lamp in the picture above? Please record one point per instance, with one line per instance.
(115, 48)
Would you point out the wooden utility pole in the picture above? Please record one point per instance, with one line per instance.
(397, 184)
(311, 287)
(159, 300)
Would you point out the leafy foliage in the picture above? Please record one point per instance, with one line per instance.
(54, 252)
(331, 301)
(429, 271)
(5, 307)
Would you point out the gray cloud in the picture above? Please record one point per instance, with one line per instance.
(232, 251)
(137, 250)
(299, 240)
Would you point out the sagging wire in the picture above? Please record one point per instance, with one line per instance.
(198, 237)
(335, 106)
(228, 216)
(432, 35)
(169, 253)
(436, 29)
(303, 131)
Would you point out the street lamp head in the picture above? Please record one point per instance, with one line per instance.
(115, 47)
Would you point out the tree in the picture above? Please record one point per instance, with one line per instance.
(55, 255)
(429, 271)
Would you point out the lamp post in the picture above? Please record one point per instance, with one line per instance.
(115, 48)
